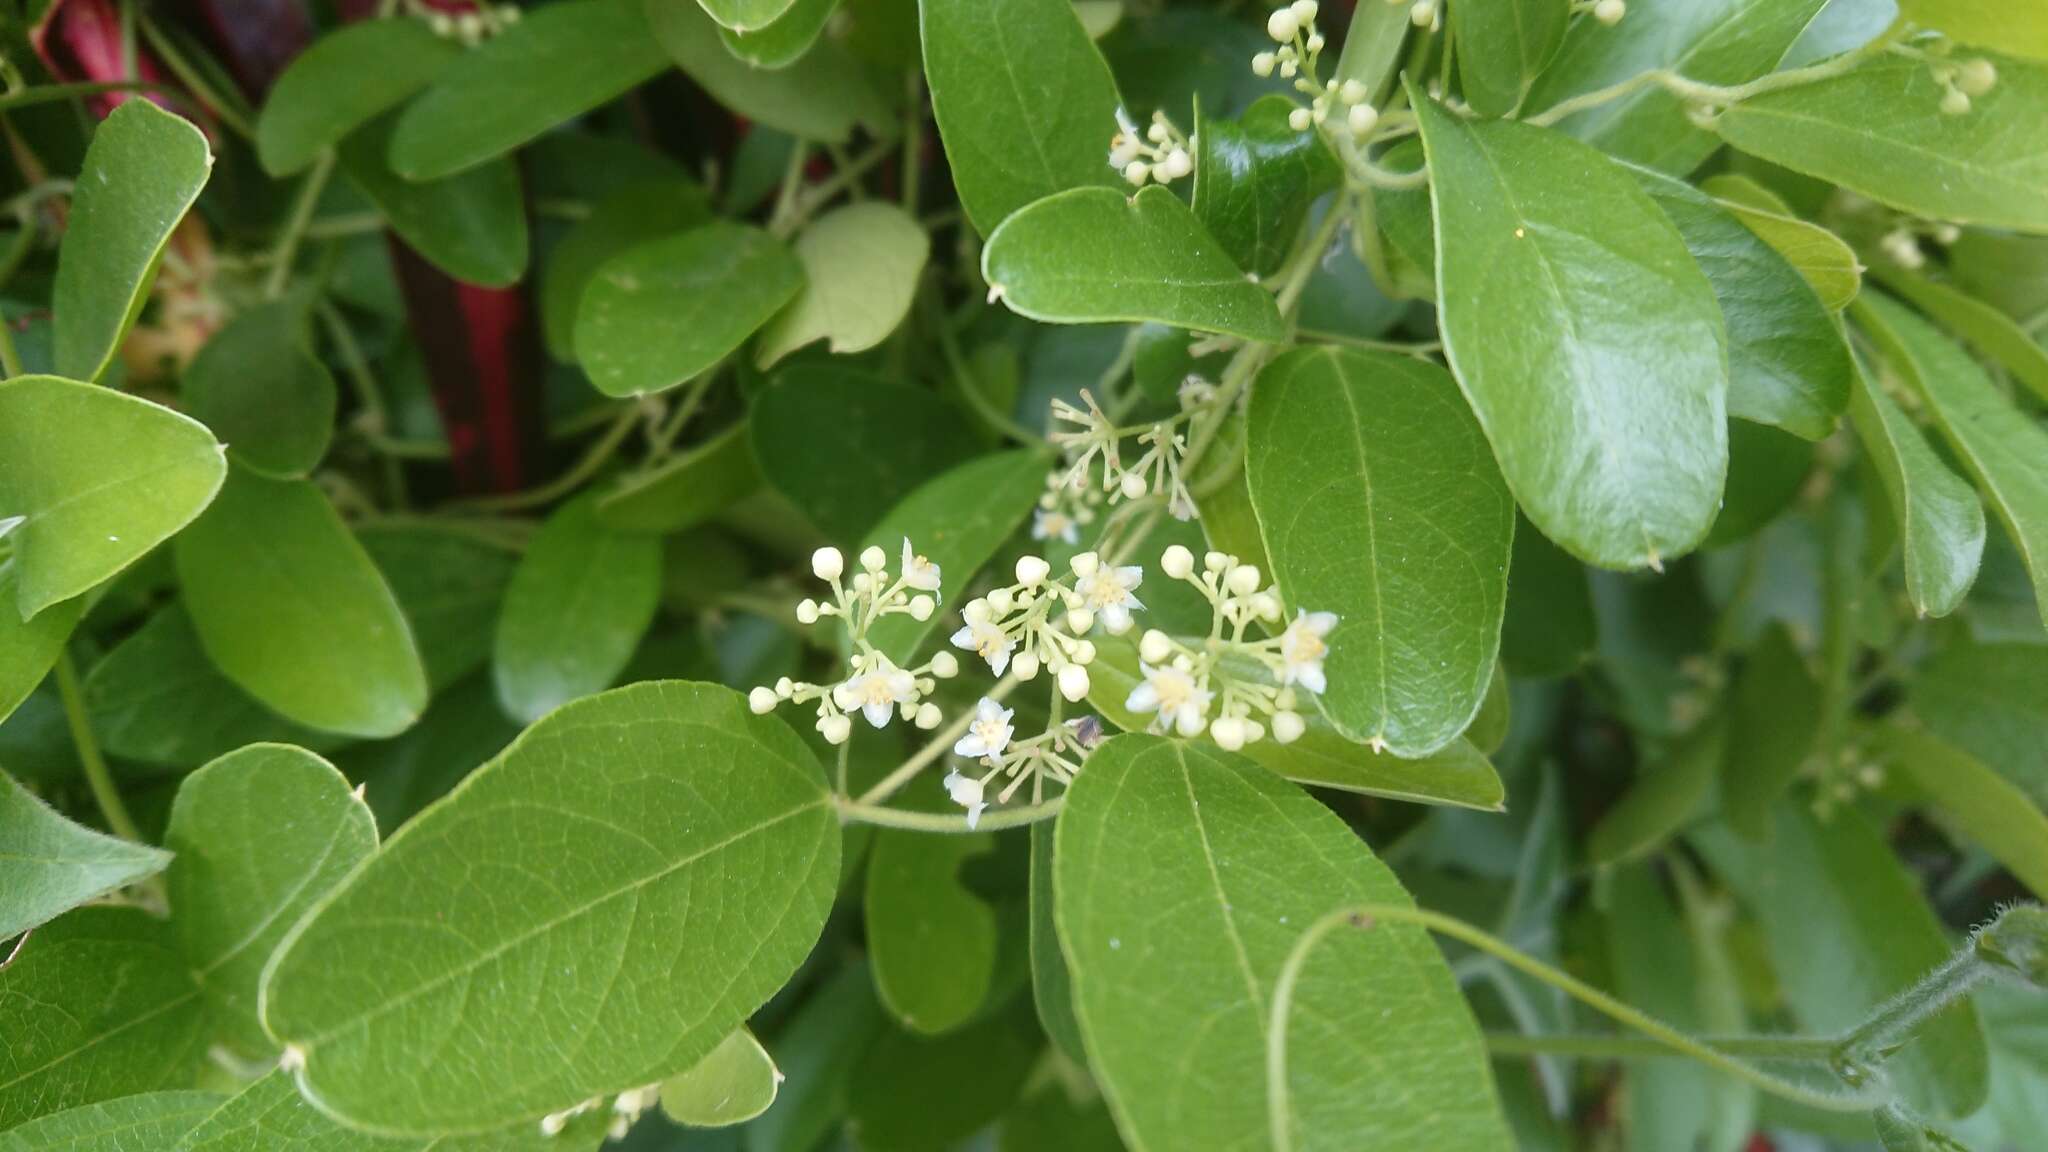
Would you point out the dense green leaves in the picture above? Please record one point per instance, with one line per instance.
(471, 225)
(1979, 802)
(1503, 46)
(579, 602)
(820, 97)
(1821, 257)
(260, 834)
(661, 826)
(1666, 795)
(556, 64)
(140, 1123)
(259, 388)
(1378, 500)
(688, 488)
(1879, 130)
(862, 264)
(1185, 877)
(1024, 103)
(50, 865)
(657, 315)
(1940, 520)
(144, 169)
(1994, 334)
(291, 609)
(96, 478)
(1585, 337)
(732, 1085)
(1991, 701)
(1774, 718)
(341, 82)
(931, 940)
(449, 585)
(1091, 255)
(1255, 178)
(637, 213)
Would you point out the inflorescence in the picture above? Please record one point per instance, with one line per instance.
(1298, 57)
(1161, 153)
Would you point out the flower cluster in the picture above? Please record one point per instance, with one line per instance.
(1300, 51)
(1063, 510)
(1054, 754)
(471, 26)
(1160, 153)
(1094, 436)
(874, 686)
(1229, 681)
(626, 1110)
(1043, 622)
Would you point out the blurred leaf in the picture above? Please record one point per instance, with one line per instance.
(1991, 701)
(1505, 46)
(97, 478)
(732, 1085)
(51, 865)
(783, 40)
(686, 489)
(820, 97)
(862, 264)
(1489, 727)
(819, 1052)
(1991, 332)
(1941, 522)
(259, 387)
(29, 648)
(343, 80)
(143, 1121)
(928, 1094)
(931, 939)
(1092, 256)
(471, 225)
(449, 587)
(705, 853)
(1052, 988)
(1372, 46)
(746, 15)
(1548, 627)
(1255, 178)
(1992, 812)
(142, 172)
(1054, 1117)
(1667, 794)
(1774, 718)
(1767, 470)
(631, 216)
(578, 604)
(2018, 29)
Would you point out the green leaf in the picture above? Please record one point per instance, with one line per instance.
(151, 1120)
(732, 1085)
(686, 489)
(1667, 794)
(828, 1036)
(271, 1116)
(847, 447)
(663, 827)
(1548, 628)
(1562, 290)
(1981, 804)
(658, 314)
(1185, 877)
(98, 1005)
(1991, 701)
(345, 79)
(1503, 46)
(783, 40)
(29, 648)
(633, 215)
(956, 520)
(1822, 258)
(259, 834)
(820, 97)
(2018, 29)
(1941, 521)
(97, 478)
(578, 605)
(1025, 105)
(50, 865)
(1787, 363)
(292, 610)
(932, 1094)
(1378, 501)
(2005, 451)
(1711, 41)
(1774, 718)
(471, 226)
(158, 699)
(1093, 256)
(143, 170)
(1055, 1116)
(1052, 988)
(931, 940)
(1879, 130)
(258, 386)
(1846, 928)
(449, 585)
(1458, 775)
(861, 268)
(1490, 725)
(1255, 178)
(746, 15)
(557, 63)
(1991, 332)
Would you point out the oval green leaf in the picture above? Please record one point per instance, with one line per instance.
(344, 80)
(271, 1116)
(1378, 501)
(734, 1084)
(861, 266)
(705, 856)
(1940, 519)
(1822, 257)
(783, 40)
(687, 489)
(291, 609)
(449, 585)
(96, 478)
(1980, 803)
(258, 385)
(1255, 178)
(471, 226)
(1094, 256)
(1991, 701)
(1503, 46)
(1185, 877)
(29, 648)
(633, 215)
(931, 939)
(2019, 29)
(1584, 335)
(746, 15)
(820, 97)
(1991, 332)
(51, 865)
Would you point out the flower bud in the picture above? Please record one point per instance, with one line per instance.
(1304, 11)
(1228, 732)
(873, 559)
(807, 611)
(827, 563)
(1244, 579)
(1314, 43)
(1361, 118)
(1177, 562)
(835, 729)
(1025, 665)
(1283, 24)
(2018, 943)
(1423, 14)
(945, 665)
(928, 716)
(1154, 647)
(1955, 103)
(1976, 77)
(1610, 12)
(1073, 681)
(1288, 727)
(1000, 602)
(1266, 606)
(1213, 561)
(1084, 652)
(1300, 119)
(1031, 570)
(1134, 485)
(1178, 164)
(1080, 620)
(977, 611)
(762, 700)
(921, 607)
(1352, 92)
(1189, 723)
(1137, 172)
(1085, 563)
(1262, 64)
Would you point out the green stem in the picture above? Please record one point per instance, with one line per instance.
(593, 461)
(286, 249)
(934, 748)
(1871, 1040)
(10, 358)
(1597, 1046)
(856, 812)
(194, 81)
(963, 375)
(96, 773)
(665, 436)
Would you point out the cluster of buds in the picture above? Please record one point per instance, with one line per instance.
(1043, 622)
(1902, 244)
(1054, 754)
(626, 1110)
(1160, 153)
(1094, 436)
(1960, 80)
(1238, 687)
(470, 26)
(1063, 510)
(1297, 59)
(873, 686)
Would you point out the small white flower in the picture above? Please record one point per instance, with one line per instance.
(1048, 524)
(988, 734)
(966, 791)
(1361, 118)
(877, 692)
(873, 559)
(1181, 702)
(918, 572)
(1137, 172)
(983, 638)
(1302, 649)
(807, 611)
(1107, 593)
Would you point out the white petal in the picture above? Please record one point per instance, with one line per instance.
(1320, 623)
(877, 714)
(1143, 698)
(999, 660)
(964, 638)
(971, 746)
(974, 815)
(1310, 676)
(1130, 576)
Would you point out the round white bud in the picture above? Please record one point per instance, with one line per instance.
(1304, 10)
(1133, 485)
(1288, 68)
(1288, 727)
(807, 611)
(827, 563)
(928, 716)
(1228, 732)
(1315, 43)
(1032, 569)
(1189, 723)
(1177, 562)
(1955, 103)
(1025, 665)
(1154, 646)
(1214, 561)
(945, 665)
(873, 559)
(1361, 118)
(1300, 119)
(999, 601)
(1262, 64)
(509, 13)
(976, 611)
(1085, 563)
(1084, 652)
(862, 581)
(1244, 579)
(1266, 606)
(835, 729)
(1610, 12)
(1423, 14)
(1137, 172)
(1074, 682)
(1352, 92)
(1253, 731)
(1156, 132)
(1080, 620)
(1976, 77)
(784, 686)
(1283, 24)
(1178, 164)
(921, 607)
(762, 700)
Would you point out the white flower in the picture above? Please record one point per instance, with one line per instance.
(983, 638)
(1048, 524)
(918, 572)
(1107, 593)
(1181, 702)
(877, 692)
(966, 792)
(1302, 649)
(988, 734)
